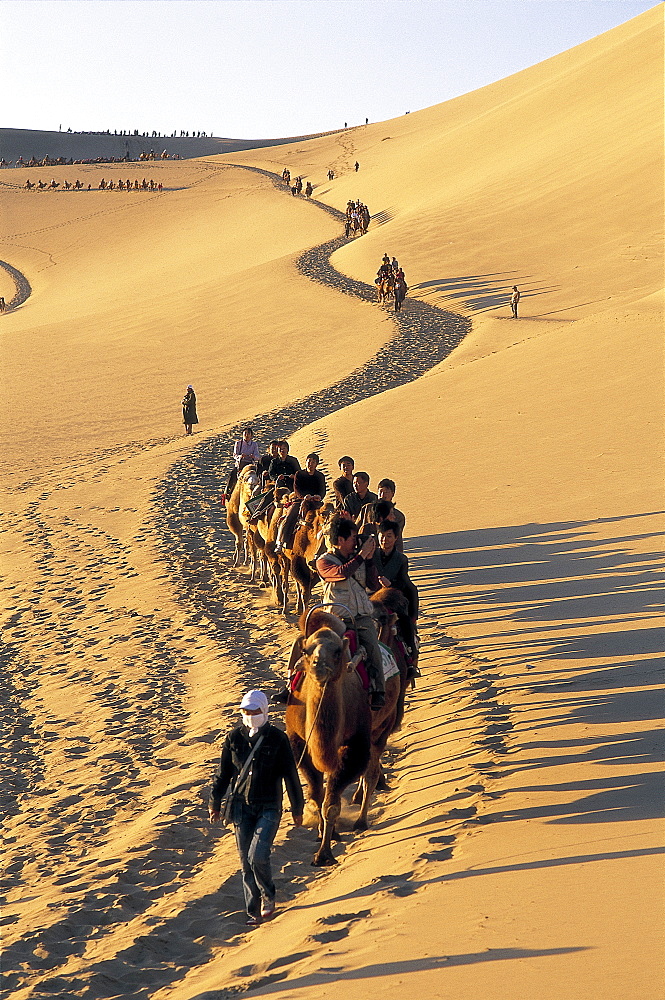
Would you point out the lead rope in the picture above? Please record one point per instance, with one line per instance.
(304, 750)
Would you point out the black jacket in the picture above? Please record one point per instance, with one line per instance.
(283, 467)
(395, 568)
(272, 763)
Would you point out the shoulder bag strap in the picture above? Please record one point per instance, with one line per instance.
(245, 767)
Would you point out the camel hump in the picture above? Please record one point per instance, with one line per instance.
(320, 619)
(393, 601)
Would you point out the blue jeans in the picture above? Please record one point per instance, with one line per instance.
(255, 828)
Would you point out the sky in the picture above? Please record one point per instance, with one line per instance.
(269, 68)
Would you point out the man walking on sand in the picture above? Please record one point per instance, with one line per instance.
(257, 757)
(514, 299)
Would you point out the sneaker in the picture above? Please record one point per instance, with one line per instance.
(252, 920)
(378, 700)
(281, 697)
(267, 909)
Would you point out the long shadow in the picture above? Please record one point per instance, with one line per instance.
(275, 983)
(396, 884)
(580, 589)
(480, 292)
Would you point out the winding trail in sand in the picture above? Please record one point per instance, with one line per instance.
(187, 515)
(23, 289)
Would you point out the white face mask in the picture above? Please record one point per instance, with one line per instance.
(254, 722)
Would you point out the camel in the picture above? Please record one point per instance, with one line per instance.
(384, 289)
(304, 548)
(236, 514)
(389, 604)
(328, 722)
(264, 538)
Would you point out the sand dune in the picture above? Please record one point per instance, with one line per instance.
(517, 852)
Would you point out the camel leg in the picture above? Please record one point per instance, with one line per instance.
(353, 760)
(277, 585)
(249, 548)
(368, 784)
(314, 778)
(285, 565)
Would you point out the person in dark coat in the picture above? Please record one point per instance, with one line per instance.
(392, 566)
(344, 485)
(189, 417)
(360, 495)
(257, 806)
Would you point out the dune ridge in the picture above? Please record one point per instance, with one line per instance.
(524, 811)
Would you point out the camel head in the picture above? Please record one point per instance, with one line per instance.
(325, 515)
(249, 475)
(311, 621)
(309, 509)
(325, 656)
(389, 603)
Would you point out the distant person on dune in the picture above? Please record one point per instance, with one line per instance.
(2, 304)
(189, 417)
(514, 300)
(357, 166)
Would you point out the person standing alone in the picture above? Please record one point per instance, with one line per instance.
(189, 417)
(258, 756)
(514, 299)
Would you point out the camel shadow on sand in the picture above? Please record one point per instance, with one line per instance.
(273, 984)
(559, 583)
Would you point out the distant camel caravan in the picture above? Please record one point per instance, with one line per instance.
(104, 185)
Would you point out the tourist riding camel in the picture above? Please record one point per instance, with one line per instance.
(281, 469)
(360, 495)
(386, 492)
(245, 452)
(371, 516)
(238, 517)
(263, 463)
(392, 566)
(308, 482)
(344, 484)
(346, 572)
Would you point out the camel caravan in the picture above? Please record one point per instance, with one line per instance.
(104, 185)
(356, 652)
(390, 283)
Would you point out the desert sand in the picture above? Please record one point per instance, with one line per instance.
(518, 851)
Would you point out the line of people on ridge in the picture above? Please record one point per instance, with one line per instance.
(103, 185)
(365, 547)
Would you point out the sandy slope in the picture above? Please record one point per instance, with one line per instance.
(518, 851)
